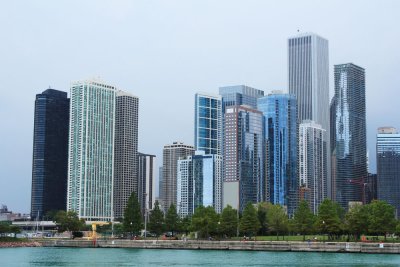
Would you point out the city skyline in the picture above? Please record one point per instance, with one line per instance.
(260, 63)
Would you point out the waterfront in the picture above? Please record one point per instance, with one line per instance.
(25, 257)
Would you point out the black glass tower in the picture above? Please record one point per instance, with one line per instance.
(50, 153)
(349, 129)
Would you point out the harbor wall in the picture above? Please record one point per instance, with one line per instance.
(351, 247)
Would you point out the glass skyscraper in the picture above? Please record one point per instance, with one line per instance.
(349, 142)
(243, 157)
(199, 183)
(91, 150)
(280, 128)
(388, 166)
(50, 152)
(308, 75)
(208, 123)
(237, 95)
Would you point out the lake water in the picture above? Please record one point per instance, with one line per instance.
(22, 257)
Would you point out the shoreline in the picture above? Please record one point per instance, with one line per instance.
(288, 246)
(19, 244)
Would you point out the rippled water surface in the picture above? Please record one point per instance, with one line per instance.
(155, 257)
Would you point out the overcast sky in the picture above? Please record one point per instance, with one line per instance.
(165, 51)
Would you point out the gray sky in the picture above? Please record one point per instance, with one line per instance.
(165, 51)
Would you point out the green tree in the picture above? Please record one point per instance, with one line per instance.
(185, 224)
(381, 218)
(172, 219)
(262, 209)
(205, 221)
(229, 221)
(249, 224)
(68, 221)
(156, 220)
(303, 219)
(132, 216)
(356, 220)
(328, 219)
(277, 220)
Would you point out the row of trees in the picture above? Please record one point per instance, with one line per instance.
(377, 218)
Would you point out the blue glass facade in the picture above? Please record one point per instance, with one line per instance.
(280, 128)
(50, 152)
(208, 124)
(199, 183)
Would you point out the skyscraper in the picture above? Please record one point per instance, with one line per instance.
(171, 155)
(125, 150)
(208, 123)
(147, 183)
(349, 137)
(91, 150)
(243, 156)
(199, 183)
(50, 152)
(388, 166)
(280, 128)
(237, 95)
(308, 65)
(312, 163)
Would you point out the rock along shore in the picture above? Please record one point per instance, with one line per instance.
(19, 244)
(295, 246)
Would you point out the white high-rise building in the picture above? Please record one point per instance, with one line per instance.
(308, 75)
(91, 150)
(312, 164)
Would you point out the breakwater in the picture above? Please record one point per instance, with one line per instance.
(353, 247)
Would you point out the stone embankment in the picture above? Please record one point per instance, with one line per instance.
(354, 247)
(19, 244)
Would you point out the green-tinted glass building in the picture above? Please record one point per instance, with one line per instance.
(91, 150)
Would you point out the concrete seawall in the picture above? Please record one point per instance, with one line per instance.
(388, 248)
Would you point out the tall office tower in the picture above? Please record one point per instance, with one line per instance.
(125, 150)
(280, 115)
(239, 95)
(349, 141)
(50, 152)
(91, 150)
(312, 163)
(308, 65)
(243, 156)
(208, 123)
(171, 155)
(199, 183)
(388, 166)
(147, 183)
